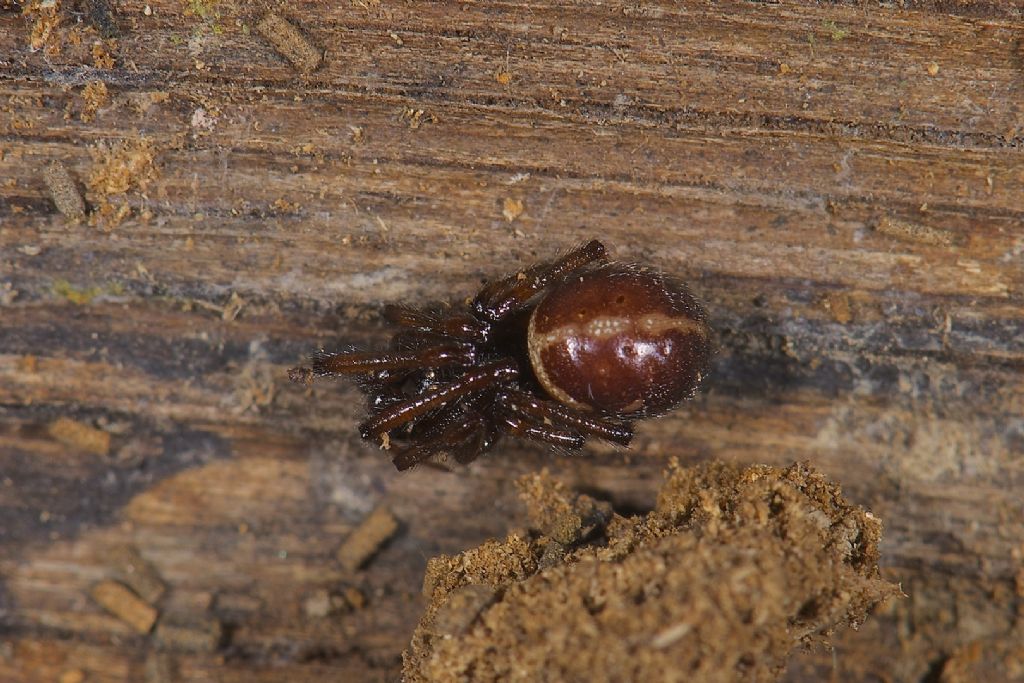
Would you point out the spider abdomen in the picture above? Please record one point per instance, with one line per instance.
(619, 340)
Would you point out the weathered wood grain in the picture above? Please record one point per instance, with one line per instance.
(242, 214)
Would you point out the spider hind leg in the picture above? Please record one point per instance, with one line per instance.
(464, 440)
(500, 298)
(546, 412)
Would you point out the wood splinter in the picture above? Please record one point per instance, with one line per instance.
(290, 42)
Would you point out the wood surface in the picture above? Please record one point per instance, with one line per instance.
(842, 184)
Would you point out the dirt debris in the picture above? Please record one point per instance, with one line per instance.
(734, 569)
(95, 96)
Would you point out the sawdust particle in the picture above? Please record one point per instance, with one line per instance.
(512, 208)
(96, 97)
(416, 117)
(103, 54)
(122, 166)
(46, 19)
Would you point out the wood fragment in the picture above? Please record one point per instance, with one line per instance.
(189, 634)
(368, 537)
(914, 232)
(64, 191)
(139, 574)
(290, 42)
(120, 601)
(80, 435)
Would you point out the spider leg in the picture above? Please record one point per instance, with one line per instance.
(482, 439)
(359, 363)
(496, 300)
(433, 424)
(462, 326)
(551, 412)
(465, 440)
(473, 381)
(525, 429)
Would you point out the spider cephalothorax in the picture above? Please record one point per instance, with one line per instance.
(579, 347)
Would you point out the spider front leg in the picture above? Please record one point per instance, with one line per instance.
(498, 299)
(461, 326)
(358, 363)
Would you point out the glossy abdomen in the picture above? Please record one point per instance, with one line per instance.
(619, 340)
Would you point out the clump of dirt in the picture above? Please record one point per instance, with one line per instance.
(734, 569)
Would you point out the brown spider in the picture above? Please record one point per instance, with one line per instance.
(559, 352)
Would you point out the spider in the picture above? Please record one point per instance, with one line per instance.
(578, 347)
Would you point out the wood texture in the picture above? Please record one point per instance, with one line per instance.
(243, 213)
